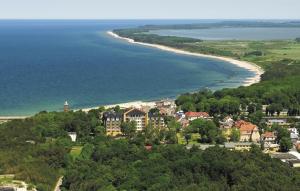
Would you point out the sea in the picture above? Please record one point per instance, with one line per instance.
(44, 63)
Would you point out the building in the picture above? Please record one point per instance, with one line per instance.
(226, 126)
(156, 120)
(197, 115)
(112, 123)
(248, 131)
(281, 121)
(240, 146)
(166, 107)
(66, 106)
(226, 123)
(269, 137)
(294, 134)
(138, 116)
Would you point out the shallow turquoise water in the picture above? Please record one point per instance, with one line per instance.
(235, 33)
(44, 63)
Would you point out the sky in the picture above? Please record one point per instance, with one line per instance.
(149, 9)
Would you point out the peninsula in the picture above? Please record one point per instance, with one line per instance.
(244, 64)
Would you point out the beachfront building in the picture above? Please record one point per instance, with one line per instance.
(138, 116)
(112, 123)
(196, 115)
(248, 131)
(156, 120)
(166, 107)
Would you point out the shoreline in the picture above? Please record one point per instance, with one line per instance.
(243, 64)
(138, 104)
(135, 104)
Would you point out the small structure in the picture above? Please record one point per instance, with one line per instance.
(66, 106)
(73, 136)
(292, 158)
(240, 146)
(294, 134)
(281, 121)
(226, 123)
(196, 115)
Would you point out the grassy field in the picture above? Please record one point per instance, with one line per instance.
(76, 150)
(194, 139)
(272, 51)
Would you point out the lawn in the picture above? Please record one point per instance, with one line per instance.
(194, 139)
(75, 151)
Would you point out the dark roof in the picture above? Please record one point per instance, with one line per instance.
(296, 161)
(153, 115)
(112, 114)
(135, 112)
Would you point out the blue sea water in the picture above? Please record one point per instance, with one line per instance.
(44, 63)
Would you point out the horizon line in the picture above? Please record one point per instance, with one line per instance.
(275, 19)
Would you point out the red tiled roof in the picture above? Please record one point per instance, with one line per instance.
(268, 134)
(196, 114)
(245, 126)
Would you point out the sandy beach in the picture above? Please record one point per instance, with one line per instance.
(243, 64)
(133, 104)
(138, 104)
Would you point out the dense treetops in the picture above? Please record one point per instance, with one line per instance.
(120, 165)
(37, 149)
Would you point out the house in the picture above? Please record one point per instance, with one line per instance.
(294, 134)
(156, 120)
(112, 123)
(138, 116)
(226, 126)
(196, 115)
(248, 131)
(268, 137)
(226, 123)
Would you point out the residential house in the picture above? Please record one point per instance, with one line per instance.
(138, 116)
(112, 123)
(268, 137)
(294, 134)
(226, 126)
(248, 131)
(197, 115)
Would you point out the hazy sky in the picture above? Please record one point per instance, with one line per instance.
(149, 9)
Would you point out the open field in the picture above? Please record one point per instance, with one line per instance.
(259, 52)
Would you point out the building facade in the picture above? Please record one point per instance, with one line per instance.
(112, 122)
(138, 116)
